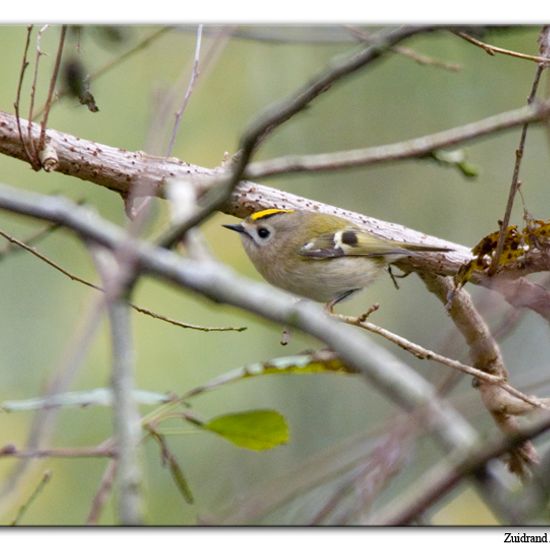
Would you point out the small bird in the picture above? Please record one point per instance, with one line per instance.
(318, 256)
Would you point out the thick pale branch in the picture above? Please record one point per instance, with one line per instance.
(117, 169)
(121, 170)
(126, 417)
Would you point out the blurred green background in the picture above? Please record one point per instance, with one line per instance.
(396, 99)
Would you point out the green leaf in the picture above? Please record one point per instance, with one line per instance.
(257, 430)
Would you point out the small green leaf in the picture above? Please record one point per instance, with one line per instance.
(254, 430)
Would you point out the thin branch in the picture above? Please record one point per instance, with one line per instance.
(40, 234)
(422, 353)
(78, 452)
(279, 113)
(165, 102)
(421, 59)
(188, 91)
(103, 492)
(416, 148)
(25, 246)
(16, 105)
(46, 476)
(53, 80)
(492, 50)
(514, 186)
(39, 54)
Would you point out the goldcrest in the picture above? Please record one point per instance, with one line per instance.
(318, 256)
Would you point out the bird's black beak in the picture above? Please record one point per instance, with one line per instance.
(235, 227)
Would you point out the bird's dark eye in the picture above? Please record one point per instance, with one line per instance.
(263, 233)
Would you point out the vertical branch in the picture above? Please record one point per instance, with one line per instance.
(188, 91)
(39, 54)
(126, 417)
(24, 65)
(53, 80)
(165, 102)
(102, 494)
(46, 476)
(115, 273)
(515, 185)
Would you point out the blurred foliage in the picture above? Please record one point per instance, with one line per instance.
(397, 99)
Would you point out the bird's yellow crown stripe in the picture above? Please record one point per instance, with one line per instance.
(267, 213)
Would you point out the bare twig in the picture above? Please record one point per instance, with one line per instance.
(39, 54)
(165, 102)
(25, 246)
(413, 148)
(46, 476)
(422, 59)
(79, 452)
(30, 240)
(514, 186)
(492, 50)
(422, 353)
(188, 91)
(103, 492)
(24, 65)
(53, 80)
